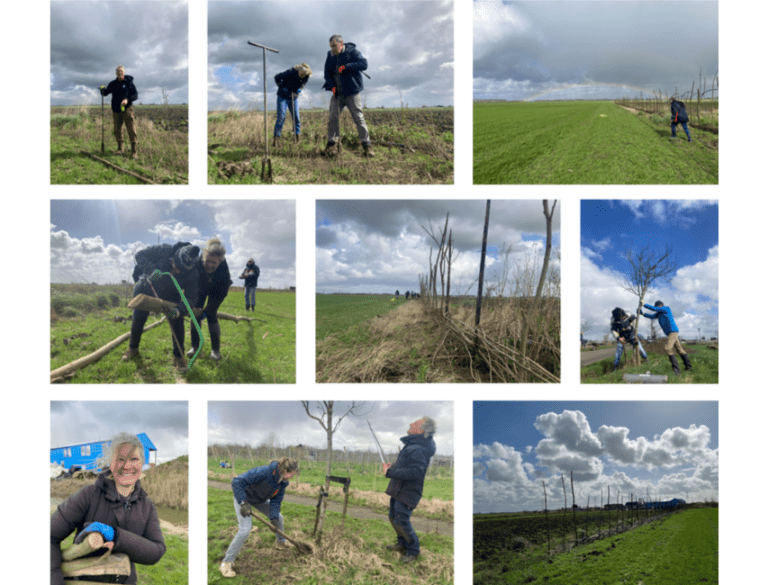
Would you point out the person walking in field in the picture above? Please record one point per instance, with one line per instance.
(406, 485)
(679, 116)
(262, 488)
(251, 276)
(343, 78)
(289, 86)
(624, 332)
(123, 95)
(668, 325)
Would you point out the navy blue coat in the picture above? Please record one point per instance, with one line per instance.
(407, 474)
(121, 90)
(289, 82)
(159, 257)
(678, 112)
(214, 286)
(251, 275)
(260, 484)
(351, 79)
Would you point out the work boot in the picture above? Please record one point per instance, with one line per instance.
(331, 149)
(214, 329)
(275, 141)
(675, 365)
(192, 351)
(132, 352)
(247, 307)
(408, 558)
(180, 363)
(120, 148)
(134, 151)
(687, 362)
(281, 544)
(215, 355)
(227, 570)
(615, 367)
(397, 548)
(297, 138)
(367, 151)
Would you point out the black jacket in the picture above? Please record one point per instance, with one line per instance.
(121, 90)
(251, 275)
(350, 81)
(621, 325)
(406, 482)
(214, 286)
(289, 82)
(159, 257)
(678, 112)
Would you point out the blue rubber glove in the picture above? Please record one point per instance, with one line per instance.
(106, 531)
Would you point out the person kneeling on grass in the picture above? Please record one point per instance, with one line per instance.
(180, 261)
(262, 488)
(406, 485)
(213, 285)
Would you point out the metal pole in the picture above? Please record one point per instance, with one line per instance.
(266, 142)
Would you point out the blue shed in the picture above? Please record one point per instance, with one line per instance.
(85, 455)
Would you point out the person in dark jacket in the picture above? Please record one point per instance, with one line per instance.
(289, 86)
(250, 274)
(624, 332)
(123, 95)
(679, 116)
(262, 488)
(406, 484)
(343, 78)
(180, 261)
(116, 507)
(668, 325)
(213, 286)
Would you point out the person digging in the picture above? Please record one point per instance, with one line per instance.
(406, 485)
(668, 325)
(123, 95)
(624, 332)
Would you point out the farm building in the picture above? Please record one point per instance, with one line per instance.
(85, 455)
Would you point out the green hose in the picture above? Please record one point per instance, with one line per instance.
(156, 274)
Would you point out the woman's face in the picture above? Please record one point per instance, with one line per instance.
(289, 475)
(211, 263)
(126, 465)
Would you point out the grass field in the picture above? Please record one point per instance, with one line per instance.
(356, 555)
(339, 314)
(586, 143)
(87, 317)
(412, 146)
(161, 137)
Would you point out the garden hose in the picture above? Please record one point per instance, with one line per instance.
(156, 274)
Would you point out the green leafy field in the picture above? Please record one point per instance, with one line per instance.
(336, 314)
(586, 143)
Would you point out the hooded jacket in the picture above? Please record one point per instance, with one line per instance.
(289, 82)
(214, 287)
(260, 484)
(350, 81)
(251, 274)
(621, 325)
(137, 528)
(406, 482)
(678, 112)
(664, 315)
(121, 90)
(159, 257)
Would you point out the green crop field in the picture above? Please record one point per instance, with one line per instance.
(87, 317)
(337, 314)
(586, 142)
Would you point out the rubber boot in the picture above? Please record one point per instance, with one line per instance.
(615, 367)
(368, 151)
(120, 147)
(331, 149)
(134, 151)
(675, 365)
(275, 141)
(687, 362)
(247, 307)
(214, 329)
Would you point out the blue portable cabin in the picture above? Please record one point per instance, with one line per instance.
(85, 455)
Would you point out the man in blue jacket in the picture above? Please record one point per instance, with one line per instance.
(668, 325)
(406, 484)
(289, 86)
(679, 116)
(343, 78)
(123, 95)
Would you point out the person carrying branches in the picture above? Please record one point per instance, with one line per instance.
(668, 325)
(124, 93)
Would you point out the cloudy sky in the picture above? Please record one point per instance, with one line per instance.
(251, 423)
(661, 449)
(592, 50)
(164, 422)
(380, 246)
(609, 228)
(408, 45)
(90, 39)
(95, 241)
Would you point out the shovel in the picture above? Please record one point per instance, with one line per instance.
(303, 547)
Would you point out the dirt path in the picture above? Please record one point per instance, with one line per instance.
(592, 357)
(420, 524)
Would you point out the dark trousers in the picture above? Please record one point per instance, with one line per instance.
(400, 518)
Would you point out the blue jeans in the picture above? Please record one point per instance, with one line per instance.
(400, 518)
(244, 526)
(290, 105)
(620, 350)
(685, 127)
(250, 296)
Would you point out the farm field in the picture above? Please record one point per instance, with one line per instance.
(678, 548)
(586, 142)
(162, 139)
(411, 146)
(87, 317)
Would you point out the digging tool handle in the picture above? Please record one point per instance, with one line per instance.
(381, 451)
(263, 47)
(276, 530)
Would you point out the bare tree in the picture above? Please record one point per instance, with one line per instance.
(324, 416)
(647, 266)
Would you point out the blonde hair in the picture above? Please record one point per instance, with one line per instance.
(111, 449)
(286, 465)
(214, 247)
(303, 70)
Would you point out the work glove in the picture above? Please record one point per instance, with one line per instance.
(333, 91)
(106, 531)
(342, 68)
(245, 509)
(101, 89)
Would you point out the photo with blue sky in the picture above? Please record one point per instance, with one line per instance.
(95, 241)
(654, 450)
(375, 246)
(600, 50)
(611, 228)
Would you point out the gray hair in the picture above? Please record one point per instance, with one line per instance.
(111, 449)
(336, 39)
(429, 426)
(120, 67)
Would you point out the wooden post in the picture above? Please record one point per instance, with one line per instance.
(573, 496)
(565, 508)
(546, 515)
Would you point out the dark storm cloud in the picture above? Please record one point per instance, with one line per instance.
(408, 45)
(524, 48)
(90, 39)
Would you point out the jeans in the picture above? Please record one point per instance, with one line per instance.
(292, 106)
(685, 127)
(250, 296)
(400, 518)
(244, 526)
(620, 350)
(355, 106)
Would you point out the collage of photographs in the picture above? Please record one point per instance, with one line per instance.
(316, 271)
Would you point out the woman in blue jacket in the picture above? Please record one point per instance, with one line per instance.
(289, 86)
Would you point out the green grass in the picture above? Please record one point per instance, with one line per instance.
(338, 314)
(705, 364)
(248, 356)
(585, 143)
